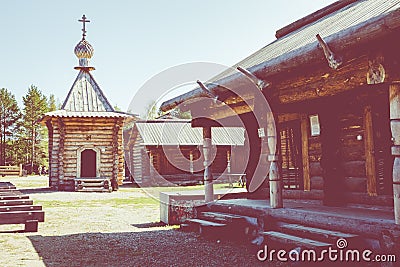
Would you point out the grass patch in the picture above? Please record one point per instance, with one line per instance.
(113, 202)
(177, 188)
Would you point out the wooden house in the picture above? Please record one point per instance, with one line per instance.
(169, 151)
(85, 135)
(332, 82)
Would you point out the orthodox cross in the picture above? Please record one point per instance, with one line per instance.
(84, 20)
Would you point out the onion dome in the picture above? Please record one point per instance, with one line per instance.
(84, 50)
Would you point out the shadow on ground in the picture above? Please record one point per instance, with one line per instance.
(144, 248)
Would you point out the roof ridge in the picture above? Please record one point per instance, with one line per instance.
(313, 17)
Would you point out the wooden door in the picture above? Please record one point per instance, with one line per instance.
(382, 150)
(88, 163)
(290, 154)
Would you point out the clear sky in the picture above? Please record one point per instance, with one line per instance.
(133, 40)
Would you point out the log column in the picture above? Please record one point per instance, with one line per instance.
(208, 177)
(275, 179)
(61, 127)
(394, 98)
(114, 178)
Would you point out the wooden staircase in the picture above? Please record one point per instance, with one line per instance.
(277, 235)
(18, 208)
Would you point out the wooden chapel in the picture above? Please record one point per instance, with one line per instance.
(85, 135)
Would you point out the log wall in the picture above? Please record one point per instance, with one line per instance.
(68, 135)
(355, 137)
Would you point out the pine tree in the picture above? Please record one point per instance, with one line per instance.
(9, 115)
(35, 105)
(52, 103)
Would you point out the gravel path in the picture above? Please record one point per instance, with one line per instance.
(116, 229)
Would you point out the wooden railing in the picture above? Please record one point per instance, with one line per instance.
(11, 170)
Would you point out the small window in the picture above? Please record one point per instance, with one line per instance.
(314, 125)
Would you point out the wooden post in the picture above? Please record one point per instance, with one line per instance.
(208, 177)
(369, 152)
(20, 170)
(394, 98)
(304, 151)
(151, 156)
(191, 168)
(228, 161)
(275, 179)
(228, 167)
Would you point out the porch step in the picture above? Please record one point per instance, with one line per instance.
(316, 233)
(95, 184)
(206, 228)
(292, 241)
(222, 217)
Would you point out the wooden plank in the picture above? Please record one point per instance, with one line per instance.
(206, 223)
(316, 233)
(16, 202)
(14, 197)
(2, 190)
(19, 217)
(304, 151)
(222, 217)
(291, 240)
(20, 208)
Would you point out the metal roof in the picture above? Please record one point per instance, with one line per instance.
(346, 21)
(181, 133)
(345, 18)
(86, 114)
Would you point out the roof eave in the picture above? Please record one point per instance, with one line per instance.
(312, 53)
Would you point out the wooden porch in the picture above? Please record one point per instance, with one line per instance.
(302, 223)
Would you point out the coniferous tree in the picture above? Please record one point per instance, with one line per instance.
(35, 105)
(52, 103)
(9, 115)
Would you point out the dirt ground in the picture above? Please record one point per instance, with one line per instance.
(109, 229)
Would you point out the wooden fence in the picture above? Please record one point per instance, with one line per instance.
(11, 170)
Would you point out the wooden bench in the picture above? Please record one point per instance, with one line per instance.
(17, 208)
(11, 170)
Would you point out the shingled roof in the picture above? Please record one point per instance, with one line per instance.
(86, 96)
